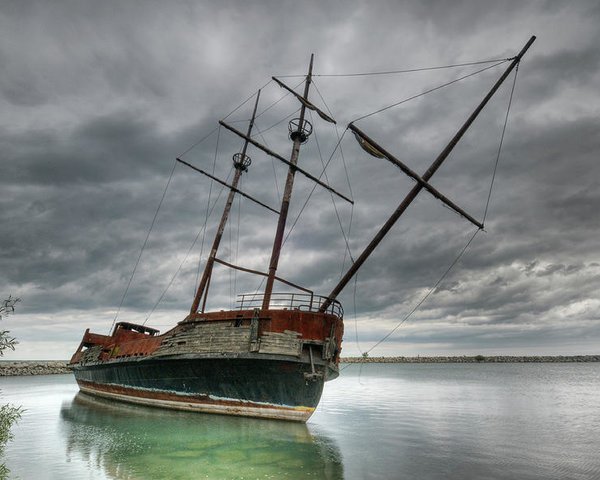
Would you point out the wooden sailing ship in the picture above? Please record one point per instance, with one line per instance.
(271, 356)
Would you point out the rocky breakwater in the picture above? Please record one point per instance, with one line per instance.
(33, 368)
(476, 359)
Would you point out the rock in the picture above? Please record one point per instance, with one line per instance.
(33, 368)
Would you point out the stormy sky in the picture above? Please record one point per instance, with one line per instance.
(99, 98)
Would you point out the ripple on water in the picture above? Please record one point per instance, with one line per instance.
(393, 421)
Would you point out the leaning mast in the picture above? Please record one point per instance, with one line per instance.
(422, 182)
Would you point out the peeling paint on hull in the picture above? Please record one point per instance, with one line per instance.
(201, 404)
(266, 388)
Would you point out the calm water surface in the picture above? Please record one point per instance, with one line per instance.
(395, 421)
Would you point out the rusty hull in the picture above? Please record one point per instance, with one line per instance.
(270, 364)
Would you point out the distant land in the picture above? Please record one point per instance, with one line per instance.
(477, 359)
(35, 367)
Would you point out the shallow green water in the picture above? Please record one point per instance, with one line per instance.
(532, 421)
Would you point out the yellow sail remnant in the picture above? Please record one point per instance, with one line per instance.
(368, 147)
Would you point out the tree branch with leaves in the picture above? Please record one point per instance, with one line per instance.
(9, 414)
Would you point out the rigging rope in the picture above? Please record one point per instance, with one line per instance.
(207, 212)
(144, 245)
(428, 91)
(163, 197)
(313, 190)
(237, 244)
(337, 132)
(512, 91)
(337, 214)
(203, 229)
(277, 101)
(277, 123)
(224, 118)
(409, 70)
(459, 256)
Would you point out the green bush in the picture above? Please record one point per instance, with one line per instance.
(9, 414)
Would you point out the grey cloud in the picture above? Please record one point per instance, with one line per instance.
(99, 98)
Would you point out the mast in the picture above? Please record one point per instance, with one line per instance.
(419, 186)
(299, 132)
(241, 162)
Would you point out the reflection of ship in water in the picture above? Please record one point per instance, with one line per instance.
(136, 442)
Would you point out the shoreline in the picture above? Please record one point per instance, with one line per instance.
(10, 368)
(478, 359)
(33, 367)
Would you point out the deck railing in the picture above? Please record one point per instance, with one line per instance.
(292, 301)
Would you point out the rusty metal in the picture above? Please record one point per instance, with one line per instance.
(240, 167)
(426, 176)
(388, 156)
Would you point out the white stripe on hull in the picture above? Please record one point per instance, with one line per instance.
(297, 414)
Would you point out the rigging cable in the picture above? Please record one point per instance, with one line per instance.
(188, 252)
(144, 245)
(355, 318)
(272, 162)
(207, 213)
(162, 199)
(429, 91)
(277, 123)
(337, 132)
(277, 101)
(409, 70)
(337, 213)
(237, 242)
(194, 145)
(512, 91)
(432, 289)
(313, 191)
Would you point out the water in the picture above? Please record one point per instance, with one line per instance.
(395, 421)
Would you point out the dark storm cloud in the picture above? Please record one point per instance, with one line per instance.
(98, 98)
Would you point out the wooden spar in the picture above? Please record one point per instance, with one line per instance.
(263, 274)
(305, 102)
(231, 187)
(273, 154)
(419, 186)
(388, 156)
(287, 193)
(240, 167)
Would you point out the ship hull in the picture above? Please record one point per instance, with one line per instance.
(277, 388)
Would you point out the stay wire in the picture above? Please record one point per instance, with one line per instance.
(512, 91)
(194, 145)
(144, 245)
(207, 211)
(425, 297)
(277, 101)
(237, 244)
(337, 213)
(313, 189)
(203, 229)
(337, 132)
(272, 163)
(277, 123)
(428, 91)
(392, 72)
(355, 318)
(418, 305)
